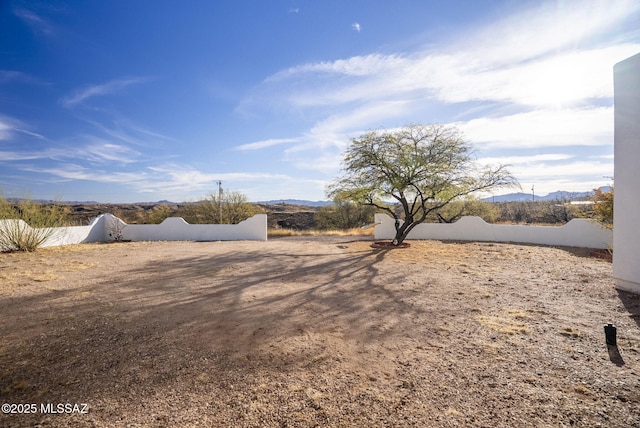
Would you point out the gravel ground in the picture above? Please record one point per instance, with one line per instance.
(303, 332)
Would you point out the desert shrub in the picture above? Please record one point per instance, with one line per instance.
(558, 211)
(158, 214)
(38, 221)
(453, 211)
(231, 208)
(514, 212)
(344, 215)
(603, 206)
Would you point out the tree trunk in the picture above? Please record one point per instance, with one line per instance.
(401, 234)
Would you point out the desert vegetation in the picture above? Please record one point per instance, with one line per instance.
(603, 206)
(27, 224)
(420, 168)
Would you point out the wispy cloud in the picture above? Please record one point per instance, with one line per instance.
(73, 171)
(11, 156)
(533, 159)
(98, 151)
(257, 145)
(101, 151)
(173, 179)
(7, 127)
(560, 79)
(125, 131)
(359, 66)
(543, 128)
(356, 26)
(181, 179)
(457, 77)
(91, 91)
(13, 76)
(551, 27)
(38, 24)
(585, 175)
(10, 127)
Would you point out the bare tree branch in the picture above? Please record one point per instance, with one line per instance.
(422, 167)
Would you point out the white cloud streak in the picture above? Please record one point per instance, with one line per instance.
(13, 76)
(11, 127)
(127, 132)
(37, 23)
(563, 78)
(569, 176)
(547, 157)
(91, 91)
(7, 127)
(99, 151)
(257, 145)
(180, 179)
(543, 128)
(177, 181)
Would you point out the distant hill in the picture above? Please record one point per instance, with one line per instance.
(296, 202)
(553, 196)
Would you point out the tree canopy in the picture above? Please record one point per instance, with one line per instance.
(421, 168)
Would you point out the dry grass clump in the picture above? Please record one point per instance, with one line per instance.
(49, 264)
(509, 324)
(569, 332)
(281, 232)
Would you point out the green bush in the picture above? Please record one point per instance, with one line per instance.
(455, 210)
(344, 215)
(231, 208)
(603, 206)
(38, 221)
(158, 214)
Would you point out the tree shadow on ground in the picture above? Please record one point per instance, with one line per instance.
(223, 316)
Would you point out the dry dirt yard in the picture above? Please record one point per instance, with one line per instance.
(327, 332)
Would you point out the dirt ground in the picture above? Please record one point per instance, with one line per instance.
(322, 331)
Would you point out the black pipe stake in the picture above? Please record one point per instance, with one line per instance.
(610, 334)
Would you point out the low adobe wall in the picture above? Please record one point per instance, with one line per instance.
(93, 232)
(576, 233)
(107, 227)
(177, 229)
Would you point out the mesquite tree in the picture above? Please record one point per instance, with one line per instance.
(421, 168)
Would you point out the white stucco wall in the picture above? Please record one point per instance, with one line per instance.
(106, 226)
(93, 232)
(626, 220)
(176, 229)
(576, 233)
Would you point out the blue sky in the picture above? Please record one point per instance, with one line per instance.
(144, 100)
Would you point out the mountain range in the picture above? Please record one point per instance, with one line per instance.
(509, 197)
(296, 202)
(560, 195)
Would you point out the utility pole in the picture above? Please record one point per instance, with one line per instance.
(219, 201)
(533, 194)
